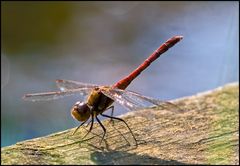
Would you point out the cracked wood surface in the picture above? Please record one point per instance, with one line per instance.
(206, 133)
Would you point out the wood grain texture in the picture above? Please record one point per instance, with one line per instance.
(206, 133)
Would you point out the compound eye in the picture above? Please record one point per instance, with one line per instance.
(82, 107)
(81, 111)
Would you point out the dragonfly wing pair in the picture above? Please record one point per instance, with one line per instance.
(132, 101)
(64, 85)
(67, 88)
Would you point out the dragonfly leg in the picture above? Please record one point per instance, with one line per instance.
(90, 129)
(104, 130)
(112, 117)
(88, 123)
(120, 133)
(78, 127)
(111, 120)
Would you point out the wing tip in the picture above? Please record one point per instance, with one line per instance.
(25, 97)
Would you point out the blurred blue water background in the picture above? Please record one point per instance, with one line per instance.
(101, 42)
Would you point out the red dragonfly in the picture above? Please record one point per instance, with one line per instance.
(98, 99)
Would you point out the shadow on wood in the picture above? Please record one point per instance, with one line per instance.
(120, 158)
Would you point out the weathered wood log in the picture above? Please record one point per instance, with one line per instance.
(206, 132)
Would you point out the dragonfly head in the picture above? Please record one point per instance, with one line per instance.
(80, 111)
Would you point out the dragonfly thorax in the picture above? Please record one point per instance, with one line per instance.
(80, 111)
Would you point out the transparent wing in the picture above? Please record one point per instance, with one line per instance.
(56, 95)
(134, 101)
(64, 85)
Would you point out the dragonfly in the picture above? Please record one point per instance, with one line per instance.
(98, 99)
